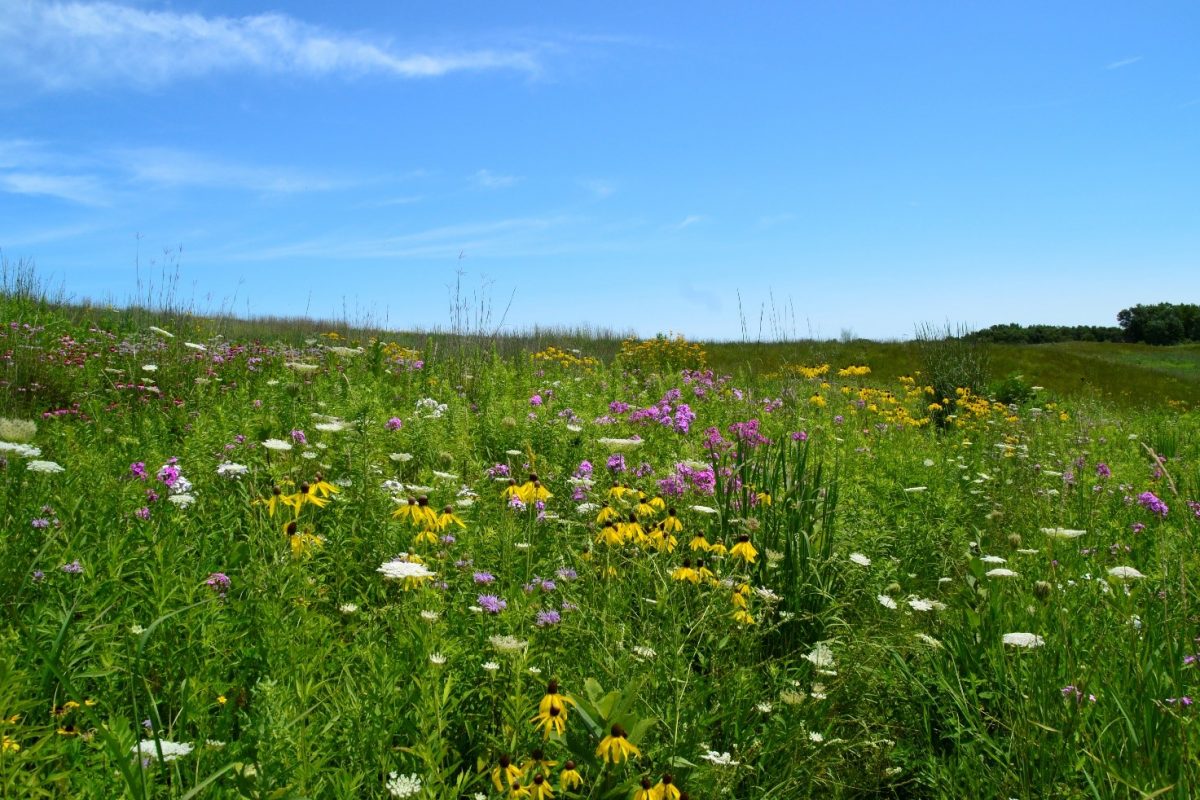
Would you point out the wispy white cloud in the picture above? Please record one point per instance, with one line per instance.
(83, 189)
(599, 187)
(509, 237)
(1124, 62)
(486, 179)
(162, 166)
(688, 221)
(68, 45)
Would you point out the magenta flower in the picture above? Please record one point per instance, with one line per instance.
(394, 424)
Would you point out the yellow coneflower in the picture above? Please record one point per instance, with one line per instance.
(307, 495)
(539, 788)
(302, 543)
(744, 617)
(633, 530)
(618, 490)
(666, 789)
(274, 501)
(610, 572)
(538, 763)
(425, 536)
(706, 574)
(511, 490)
(407, 511)
(698, 542)
(569, 778)
(740, 596)
(658, 503)
(671, 523)
(607, 514)
(516, 790)
(505, 773)
(644, 509)
(646, 792)
(717, 549)
(662, 541)
(532, 490)
(424, 515)
(616, 747)
(324, 487)
(611, 536)
(552, 711)
(744, 550)
(763, 497)
(686, 572)
(448, 518)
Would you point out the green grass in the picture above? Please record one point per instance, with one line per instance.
(860, 654)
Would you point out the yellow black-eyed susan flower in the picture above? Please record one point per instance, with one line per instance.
(538, 763)
(569, 778)
(448, 518)
(646, 792)
(616, 747)
(505, 773)
(540, 789)
(607, 514)
(686, 572)
(744, 550)
(666, 788)
(671, 523)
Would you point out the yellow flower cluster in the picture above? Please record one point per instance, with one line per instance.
(811, 373)
(565, 358)
(662, 354)
(397, 352)
(854, 371)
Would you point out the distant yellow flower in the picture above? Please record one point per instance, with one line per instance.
(616, 747)
(448, 518)
(9, 745)
(744, 617)
(222, 699)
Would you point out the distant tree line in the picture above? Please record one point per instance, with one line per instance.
(1012, 333)
(1161, 323)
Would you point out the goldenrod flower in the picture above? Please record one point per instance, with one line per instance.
(616, 747)
(569, 778)
(744, 550)
(10, 745)
(505, 773)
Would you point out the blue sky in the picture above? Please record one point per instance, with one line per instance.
(862, 166)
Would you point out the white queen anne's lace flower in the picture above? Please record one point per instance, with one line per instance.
(1125, 573)
(44, 466)
(1027, 640)
(147, 748)
(403, 785)
(860, 559)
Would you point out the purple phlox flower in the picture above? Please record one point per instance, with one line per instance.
(138, 469)
(498, 471)
(143, 513)
(1103, 471)
(747, 433)
(169, 474)
(219, 582)
(394, 424)
(643, 470)
(535, 401)
(1151, 502)
(547, 618)
(838, 419)
(618, 407)
(299, 438)
(491, 603)
(1182, 701)
(1192, 659)
(616, 462)
(584, 469)
(1138, 527)
(672, 486)
(799, 436)
(770, 405)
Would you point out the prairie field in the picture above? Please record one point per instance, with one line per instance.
(252, 560)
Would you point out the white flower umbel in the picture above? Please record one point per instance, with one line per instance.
(147, 748)
(403, 785)
(44, 466)
(277, 444)
(1001, 572)
(1125, 573)
(1026, 640)
(232, 470)
(860, 559)
(720, 759)
(820, 656)
(619, 445)
(399, 570)
(1063, 533)
(18, 449)
(886, 601)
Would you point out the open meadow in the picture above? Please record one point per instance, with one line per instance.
(291, 562)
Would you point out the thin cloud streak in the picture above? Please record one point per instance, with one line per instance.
(1124, 62)
(486, 179)
(170, 167)
(64, 46)
(81, 189)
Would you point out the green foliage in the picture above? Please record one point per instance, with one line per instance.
(1161, 323)
(951, 361)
